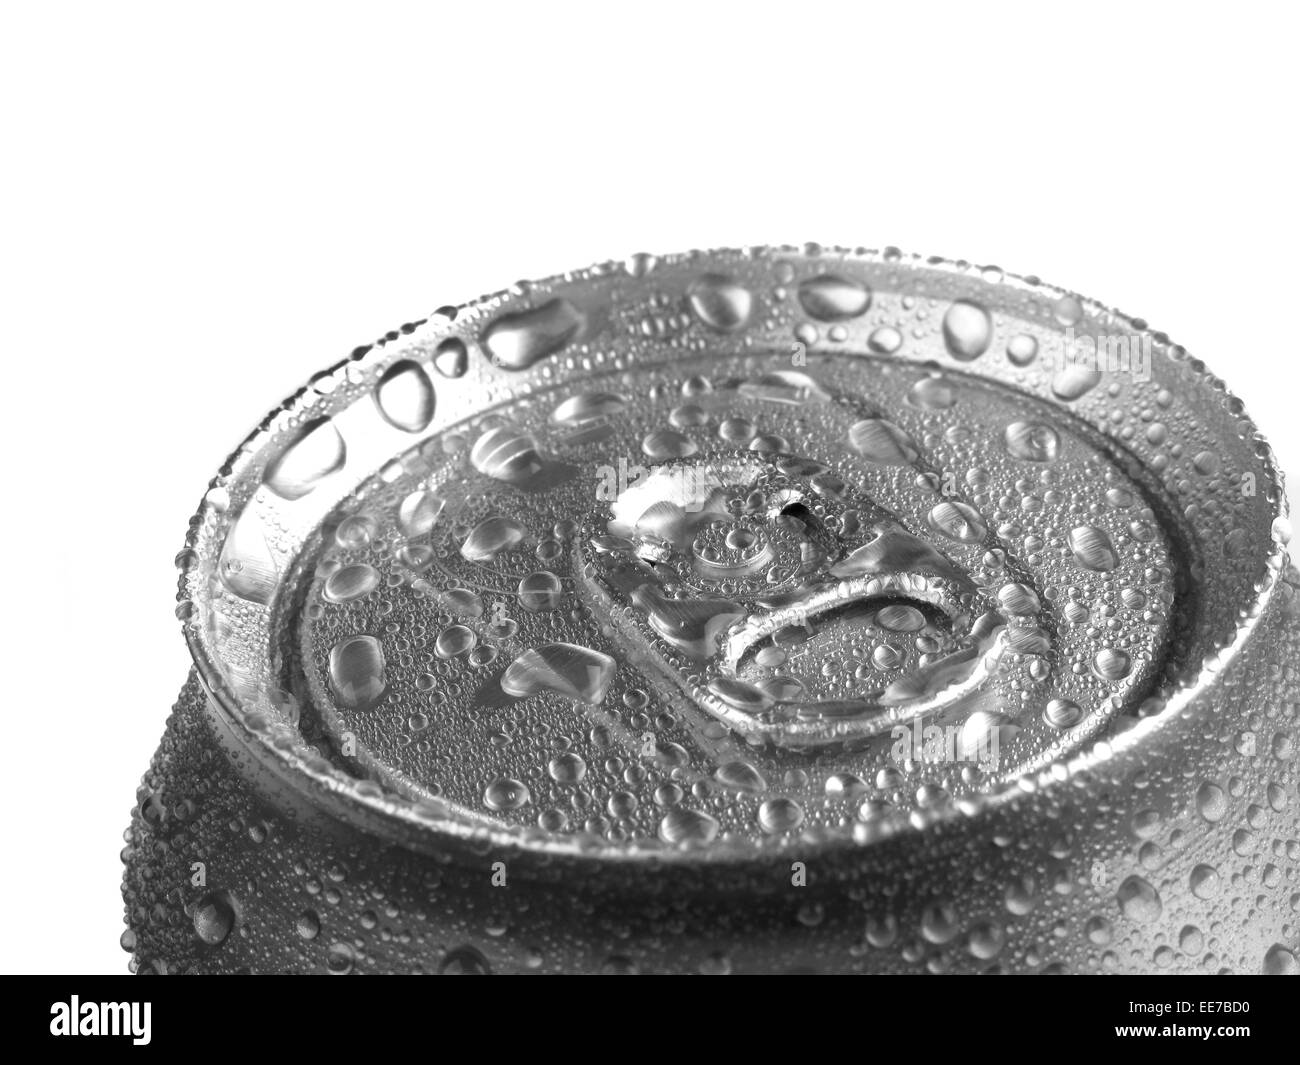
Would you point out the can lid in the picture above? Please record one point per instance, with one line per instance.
(724, 554)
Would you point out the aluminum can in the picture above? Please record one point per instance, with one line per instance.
(773, 609)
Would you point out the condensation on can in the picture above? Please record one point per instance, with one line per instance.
(763, 610)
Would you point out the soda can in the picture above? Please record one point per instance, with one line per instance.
(758, 610)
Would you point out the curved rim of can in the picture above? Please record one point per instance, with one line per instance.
(326, 789)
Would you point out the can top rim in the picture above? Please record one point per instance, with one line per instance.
(244, 712)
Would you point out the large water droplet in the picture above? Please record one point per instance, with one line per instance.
(1279, 961)
(356, 671)
(780, 815)
(1018, 598)
(933, 393)
(351, 582)
(515, 341)
(540, 591)
(404, 396)
(883, 442)
(506, 453)
(465, 961)
(967, 330)
(742, 696)
(958, 521)
(1062, 713)
(1074, 381)
(1211, 802)
(419, 513)
(1092, 548)
(505, 793)
(1032, 441)
(567, 768)
(247, 566)
(786, 386)
(316, 451)
(668, 444)
(1139, 901)
(454, 641)
(452, 358)
(214, 917)
(490, 537)
(682, 825)
(720, 302)
(1110, 664)
(832, 299)
(563, 668)
(740, 775)
(1204, 881)
(587, 407)
(463, 602)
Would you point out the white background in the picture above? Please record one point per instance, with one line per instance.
(201, 207)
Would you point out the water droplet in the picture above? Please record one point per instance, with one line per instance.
(740, 695)
(355, 532)
(1139, 901)
(540, 591)
(736, 430)
(454, 640)
(885, 340)
(351, 582)
(883, 442)
(506, 453)
(740, 775)
(1279, 961)
(1075, 381)
(986, 940)
(1190, 940)
(308, 924)
(316, 451)
(490, 537)
(720, 302)
(899, 617)
(1018, 599)
(247, 567)
(967, 330)
(356, 671)
(668, 444)
(214, 917)
(1022, 349)
(340, 960)
(1092, 549)
(1062, 713)
(1032, 441)
(405, 397)
(567, 768)
(958, 521)
(419, 513)
(886, 657)
(1211, 802)
(780, 815)
(939, 923)
(587, 407)
(683, 825)
(832, 299)
(933, 393)
(505, 793)
(452, 358)
(517, 340)
(1111, 665)
(844, 786)
(1204, 881)
(563, 668)
(460, 601)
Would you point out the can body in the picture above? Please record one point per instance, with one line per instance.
(763, 611)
